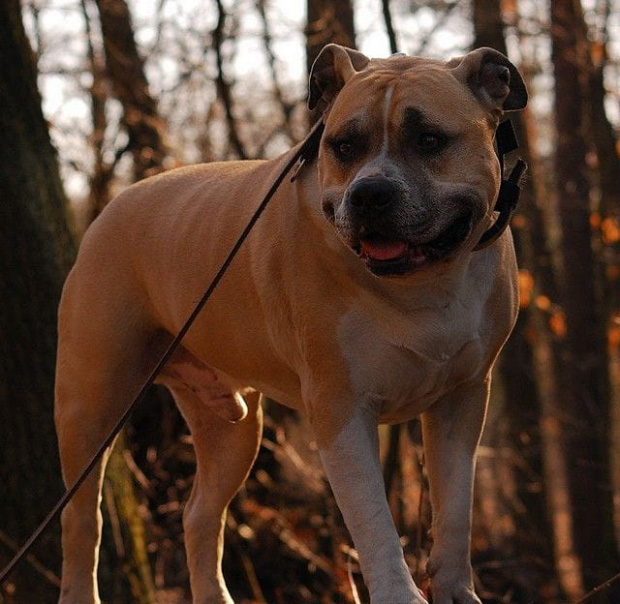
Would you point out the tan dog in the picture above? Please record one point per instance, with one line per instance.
(358, 298)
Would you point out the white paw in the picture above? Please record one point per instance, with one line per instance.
(458, 595)
(451, 582)
(414, 597)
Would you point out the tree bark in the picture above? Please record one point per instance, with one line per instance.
(602, 132)
(36, 250)
(488, 25)
(528, 387)
(605, 143)
(125, 69)
(328, 21)
(124, 569)
(585, 390)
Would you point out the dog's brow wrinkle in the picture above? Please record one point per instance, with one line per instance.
(353, 129)
(416, 119)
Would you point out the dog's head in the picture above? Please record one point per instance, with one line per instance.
(407, 166)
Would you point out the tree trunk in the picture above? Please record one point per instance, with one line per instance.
(488, 25)
(328, 21)
(125, 69)
(605, 143)
(99, 194)
(36, 249)
(585, 392)
(518, 428)
(125, 572)
(602, 132)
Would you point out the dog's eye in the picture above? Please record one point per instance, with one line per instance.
(344, 150)
(430, 141)
(348, 147)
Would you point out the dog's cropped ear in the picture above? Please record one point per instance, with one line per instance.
(494, 80)
(331, 70)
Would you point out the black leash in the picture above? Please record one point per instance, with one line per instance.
(505, 205)
(306, 152)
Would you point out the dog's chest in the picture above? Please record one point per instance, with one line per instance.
(406, 365)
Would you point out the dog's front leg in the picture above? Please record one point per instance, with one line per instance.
(451, 429)
(353, 468)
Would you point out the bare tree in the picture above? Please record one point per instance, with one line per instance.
(224, 91)
(125, 68)
(528, 395)
(585, 392)
(328, 21)
(287, 107)
(607, 170)
(36, 250)
(99, 193)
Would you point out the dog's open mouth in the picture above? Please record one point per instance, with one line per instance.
(392, 256)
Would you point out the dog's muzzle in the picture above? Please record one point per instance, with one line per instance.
(372, 203)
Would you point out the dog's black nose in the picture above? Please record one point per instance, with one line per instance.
(371, 195)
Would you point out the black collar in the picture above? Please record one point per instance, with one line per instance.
(509, 190)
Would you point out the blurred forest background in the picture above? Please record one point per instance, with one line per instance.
(129, 88)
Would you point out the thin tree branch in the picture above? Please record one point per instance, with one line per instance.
(125, 68)
(387, 17)
(223, 86)
(101, 176)
(599, 589)
(286, 107)
(45, 572)
(447, 11)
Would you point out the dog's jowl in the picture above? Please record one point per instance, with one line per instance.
(359, 298)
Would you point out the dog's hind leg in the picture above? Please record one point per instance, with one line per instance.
(103, 356)
(225, 452)
(85, 413)
(81, 519)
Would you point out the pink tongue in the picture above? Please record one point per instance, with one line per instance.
(384, 250)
